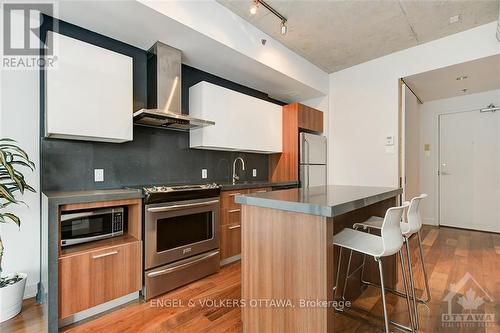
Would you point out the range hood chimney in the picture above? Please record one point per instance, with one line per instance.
(164, 92)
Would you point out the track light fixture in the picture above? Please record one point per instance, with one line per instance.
(253, 11)
(253, 8)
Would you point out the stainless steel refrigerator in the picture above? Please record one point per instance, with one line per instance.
(313, 149)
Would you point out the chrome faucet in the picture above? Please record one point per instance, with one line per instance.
(235, 177)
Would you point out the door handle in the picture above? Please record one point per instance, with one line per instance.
(235, 227)
(234, 211)
(173, 207)
(234, 194)
(176, 268)
(105, 255)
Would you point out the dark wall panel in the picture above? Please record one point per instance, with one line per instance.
(155, 156)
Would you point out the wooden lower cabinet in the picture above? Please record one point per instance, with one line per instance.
(230, 223)
(95, 277)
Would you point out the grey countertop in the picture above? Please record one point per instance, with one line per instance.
(329, 201)
(93, 196)
(255, 184)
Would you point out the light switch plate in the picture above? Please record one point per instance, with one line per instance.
(389, 140)
(204, 173)
(98, 175)
(254, 172)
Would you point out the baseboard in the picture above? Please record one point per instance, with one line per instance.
(429, 221)
(230, 260)
(30, 290)
(98, 309)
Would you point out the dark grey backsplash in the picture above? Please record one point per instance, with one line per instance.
(155, 156)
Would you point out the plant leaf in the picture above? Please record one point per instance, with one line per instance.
(12, 217)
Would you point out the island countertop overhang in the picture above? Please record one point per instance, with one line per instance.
(328, 201)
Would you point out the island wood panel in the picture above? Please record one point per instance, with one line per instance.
(286, 256)
(285, 166)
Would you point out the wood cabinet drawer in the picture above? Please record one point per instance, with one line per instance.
(230, 216)
(260, 190)
(227, 199)
(94, 277)
(230, 244)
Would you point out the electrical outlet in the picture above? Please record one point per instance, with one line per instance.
(98, 175)
(254, 172)
(204, 173)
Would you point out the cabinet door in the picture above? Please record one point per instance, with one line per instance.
(92, 278)
(310, 119)
(230, 240)
(242, 122)
(89, 92)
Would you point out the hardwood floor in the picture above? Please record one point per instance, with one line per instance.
(450, 254)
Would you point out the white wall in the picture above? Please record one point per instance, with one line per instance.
(19, 120)
(412, 145)
(221, 24)
(364, 103)
(429, 112)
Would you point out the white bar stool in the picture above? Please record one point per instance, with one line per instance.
(408, 229)
(390, 242)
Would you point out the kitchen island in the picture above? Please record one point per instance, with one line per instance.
(288, 258)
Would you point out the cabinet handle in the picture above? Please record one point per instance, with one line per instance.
(235, 227)
(234, 210)
(234, 194)
(261, 191)
(105, 255)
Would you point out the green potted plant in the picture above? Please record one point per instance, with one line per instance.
(12, 183)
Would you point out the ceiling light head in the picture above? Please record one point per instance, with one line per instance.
(462, 77)
(253, 8)
(284, 28)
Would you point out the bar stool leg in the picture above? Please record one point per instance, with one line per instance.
(382, 291)
(347, 275)
(407, 292)
(424, 269)
(412, 283)
(338, 274)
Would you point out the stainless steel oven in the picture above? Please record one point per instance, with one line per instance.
(181, 243)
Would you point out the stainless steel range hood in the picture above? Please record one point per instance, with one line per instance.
(164, 92)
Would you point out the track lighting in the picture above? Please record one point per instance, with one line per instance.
(283, 27)
(253, 11)
(253, 8)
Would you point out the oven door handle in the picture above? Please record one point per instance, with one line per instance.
(174, 207)
(176, 268)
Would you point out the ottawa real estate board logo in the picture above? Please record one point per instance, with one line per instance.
(24, 45)
(468, 305)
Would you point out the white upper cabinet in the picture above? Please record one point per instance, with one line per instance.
(88, 93)
(242, 122)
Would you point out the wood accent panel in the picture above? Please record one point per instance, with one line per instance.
(286, 256)
(285, 166)
(93, 278)
(230, 240)
(310, 119)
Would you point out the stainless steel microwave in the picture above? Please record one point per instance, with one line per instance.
(90, 225)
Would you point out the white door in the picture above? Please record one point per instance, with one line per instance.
(469, 170)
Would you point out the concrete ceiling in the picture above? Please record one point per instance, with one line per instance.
(482, 75)
(338, 34)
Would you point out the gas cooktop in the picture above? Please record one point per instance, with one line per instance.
(177, 188)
